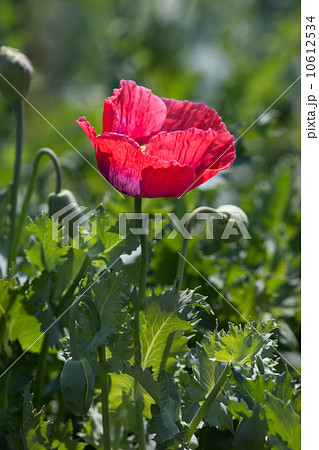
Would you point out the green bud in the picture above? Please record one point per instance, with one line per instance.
(17, 69)
(71, 213)
(77, 385)
(60, 201)
(234, 220)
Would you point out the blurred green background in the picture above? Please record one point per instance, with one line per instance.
(237, 57)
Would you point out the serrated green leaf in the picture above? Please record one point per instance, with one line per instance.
(166, 414)
(285, 388)
(37, 432)
(106, 294)
(282, 420)
(250, 435)
(70, 272)
(206, 372)
(64, 438)
(239, 346)
(108, 243)
(122, 394)
(119, 351)
(162, 325)
(15, 321)
(39, 302)
(44, 252)
(238, 408)
(252, 390)
(218, 415)
(25, 328)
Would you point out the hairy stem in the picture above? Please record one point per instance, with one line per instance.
(18, 114)
(105, 400)
(138, 391)
(199, 416)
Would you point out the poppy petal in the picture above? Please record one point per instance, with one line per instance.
(197, 148)
(181, 115)
(141, 114)
(110, 116)
(122, 163)
(87, 127)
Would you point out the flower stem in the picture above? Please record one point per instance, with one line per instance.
(144, 254)
(18, 114)
(182, 256)
(138, 391)
(105, 400)
(58, 186)
(199, 416)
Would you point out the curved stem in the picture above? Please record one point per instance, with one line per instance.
(189, 226)
(18, 114)
(56, 163)
(105, 400)
(138, 391)
(199, 416)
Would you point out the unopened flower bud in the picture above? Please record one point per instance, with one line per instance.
(233, 226)
(16, 70)
(77, 385)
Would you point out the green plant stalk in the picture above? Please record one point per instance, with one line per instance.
(199, 416)
(40, 372)
(72, 331)
(189, 227)
(105, 400)
(138, 391)
(18, 115)
(117, 434)
(144, 254)
(58, 186)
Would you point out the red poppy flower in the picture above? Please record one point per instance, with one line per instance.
(158, 147)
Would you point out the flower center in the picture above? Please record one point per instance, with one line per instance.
(143, 147)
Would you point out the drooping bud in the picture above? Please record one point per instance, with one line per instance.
(77, 385)
(233, 226)
(57, 202)
(16, 69)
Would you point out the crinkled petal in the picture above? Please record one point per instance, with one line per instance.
(141, 114)
(181, 115)
(122, 163)
(110, 116)
(197, 148)
(87, 128)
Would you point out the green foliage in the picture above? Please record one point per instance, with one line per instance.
(163, 324)
(45, 253)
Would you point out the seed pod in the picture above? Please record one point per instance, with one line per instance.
(235, 219)
(17, 69)
(77, 385)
